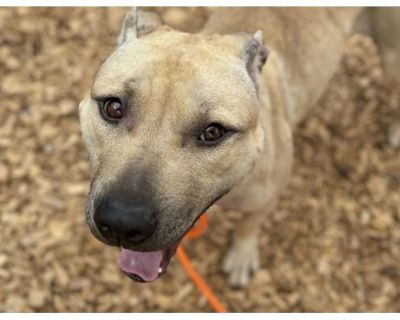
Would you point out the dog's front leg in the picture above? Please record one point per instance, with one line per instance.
(385, 23)
(242, 259)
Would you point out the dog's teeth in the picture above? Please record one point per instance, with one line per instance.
(160, 270)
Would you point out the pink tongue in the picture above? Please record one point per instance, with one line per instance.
(143, 264)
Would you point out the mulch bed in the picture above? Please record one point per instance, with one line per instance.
(332, 244)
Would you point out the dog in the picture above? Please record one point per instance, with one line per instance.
(175, 123)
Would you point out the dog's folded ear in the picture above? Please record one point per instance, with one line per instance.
(255, 55)
(137, 24)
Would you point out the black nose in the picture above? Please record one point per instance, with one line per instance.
(124, 223)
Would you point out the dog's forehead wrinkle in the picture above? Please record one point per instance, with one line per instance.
(178, 63)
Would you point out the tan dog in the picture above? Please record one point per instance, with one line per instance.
(176, 122)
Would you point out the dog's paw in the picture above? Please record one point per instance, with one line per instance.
(394, 135)
(241, 261)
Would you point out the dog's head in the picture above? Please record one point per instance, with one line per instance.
(171, 126)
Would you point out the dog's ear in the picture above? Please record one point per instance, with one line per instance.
(137, 24)
(254, 54)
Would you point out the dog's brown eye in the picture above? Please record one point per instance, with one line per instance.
(212, 133)
(113, 109)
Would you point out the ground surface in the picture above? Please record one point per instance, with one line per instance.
(332, 244)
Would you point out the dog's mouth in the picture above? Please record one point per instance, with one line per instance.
(145, 266)
(149, 266)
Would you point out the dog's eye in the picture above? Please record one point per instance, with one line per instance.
(112, 109)
(212, 133)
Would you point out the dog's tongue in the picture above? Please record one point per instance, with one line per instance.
(143, 264)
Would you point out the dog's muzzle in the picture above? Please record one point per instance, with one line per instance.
(128, 224)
